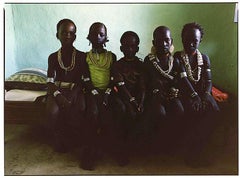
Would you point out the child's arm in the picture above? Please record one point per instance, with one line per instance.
(207, 75)
(207, 100)
(52, 88)
(185, 84)
(86, 79)
(118, 80)
(110, 86)
(142, 88)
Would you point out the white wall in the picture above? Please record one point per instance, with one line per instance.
(33, 26)
(10, 52)
(30, 31)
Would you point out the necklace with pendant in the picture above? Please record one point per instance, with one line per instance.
(72, 65)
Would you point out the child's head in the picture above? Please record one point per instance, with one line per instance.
(97, 34)
(129, 44)
(162, 40)
(66, 32)
(192, 34)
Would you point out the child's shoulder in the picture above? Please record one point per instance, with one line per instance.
(53, 55)
(177, 54)
(80, 53)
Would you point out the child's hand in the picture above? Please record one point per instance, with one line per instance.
(134, 103)
(207, 99)
(140, 107)
(196, 103)
(105, 100)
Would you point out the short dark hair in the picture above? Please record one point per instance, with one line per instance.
(126, 34)
(159, 29)
(93, 26)
(192, 25)
(65, 21)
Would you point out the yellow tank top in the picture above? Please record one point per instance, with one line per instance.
(99, 66)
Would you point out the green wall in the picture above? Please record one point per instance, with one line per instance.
(30, 31)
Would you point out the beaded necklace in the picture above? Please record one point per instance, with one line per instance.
(72, 65)
(95, 59)
(154, 59)
(188, 66)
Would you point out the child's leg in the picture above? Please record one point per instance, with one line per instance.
(57, 125)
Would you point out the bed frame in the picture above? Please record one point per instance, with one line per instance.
(25, 112)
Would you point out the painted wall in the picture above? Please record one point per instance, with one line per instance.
(30, 31)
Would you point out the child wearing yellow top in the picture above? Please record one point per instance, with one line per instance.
(97, 84)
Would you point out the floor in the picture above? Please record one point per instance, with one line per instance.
(27, 152)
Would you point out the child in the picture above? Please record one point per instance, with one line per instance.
(65, 97)
(164, 105)
(161, 73)
(98, 88)
(128, 78)
(196, 82)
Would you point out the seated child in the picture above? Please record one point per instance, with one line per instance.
(129, 100)
(98, 88)
(65, 97)
(161, 71)
(196, 85)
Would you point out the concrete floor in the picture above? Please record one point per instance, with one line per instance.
(28, 152)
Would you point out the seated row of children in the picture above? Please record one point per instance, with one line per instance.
(103, 100)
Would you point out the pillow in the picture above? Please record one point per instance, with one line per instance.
(27, 79)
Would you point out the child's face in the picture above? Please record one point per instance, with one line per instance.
(162, 42)
(98, 35)
(67, 34)
(129, 47)
(191, 40)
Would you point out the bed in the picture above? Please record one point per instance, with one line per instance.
(25, 96)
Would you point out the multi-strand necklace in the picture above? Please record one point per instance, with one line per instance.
(189, 70)
(154, 59)
(72, 65)
(95, 58)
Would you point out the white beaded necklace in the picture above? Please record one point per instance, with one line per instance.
(154, 59)
(72, 65)
(188, 66)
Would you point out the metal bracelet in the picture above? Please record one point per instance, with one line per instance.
(56, 93)
(94, 92)
(132, 99)
(208, 93)
(155, 91)
(120, 83)
(108, 91)
(50, 80)
(194, 94)
(183, 74)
